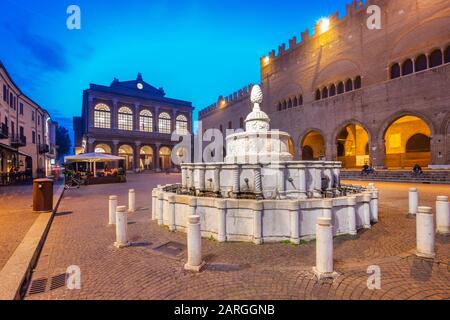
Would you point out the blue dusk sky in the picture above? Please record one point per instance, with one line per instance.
(196, 49)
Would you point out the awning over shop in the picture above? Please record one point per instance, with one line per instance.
(93, 157)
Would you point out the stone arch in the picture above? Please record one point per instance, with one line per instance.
(360, 138)
(315, 139)
(146, 155)
(103, 148)
(396, 134)
(127, 152)
(330, 74)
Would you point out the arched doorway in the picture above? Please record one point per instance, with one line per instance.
(407, 142)
(102, 148)
(164, 158)
(146, 158)
(126, 152)
(352, 146)
(313, 147)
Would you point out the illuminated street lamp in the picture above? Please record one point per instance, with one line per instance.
(324, 25)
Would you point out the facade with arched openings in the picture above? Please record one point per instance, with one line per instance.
(379, 97)
(134, 120)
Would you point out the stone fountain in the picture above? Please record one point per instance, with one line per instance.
(260, 194)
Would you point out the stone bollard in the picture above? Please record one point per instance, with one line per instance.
(172, 214)
(351, 209)
(443, 215)
(425, 233)
(324, 249)
(294, 209)
(121, 228)
(131, 201)
(413, 202)
(112, 210)
(258, 208)
(161, 208)
(222, 207)
(194, 245)
(154, 200)
(367, 198)
(374, 206)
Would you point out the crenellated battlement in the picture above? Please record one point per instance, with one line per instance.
(305, 36)
(224, 102)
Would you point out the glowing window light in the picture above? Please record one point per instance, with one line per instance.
(266, 60)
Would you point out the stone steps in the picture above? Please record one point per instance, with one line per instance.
(428, 176)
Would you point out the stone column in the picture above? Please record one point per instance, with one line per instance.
(137, 156)
(425, 233)
(161, 209)
(194, 242)
(327, 209)
(112, 210)
(302, 183)
(114, 111)
(217, 179)
(258, 182)
(183, 178)
(172, 214)
(443, 215)
(236, 181)
(378, 154)
(191, 182)
(121, 228)
(413, 202)
(136, 119)
(222, 232)
(367, 198)
(115, 147)
(324, 249)
(351, 209)
(317, 181)
(257, 223)
(336, 177)
(156, 166)
(156, 120)
(174, 120)
(201, 178)
(295, 221)
(131, 201)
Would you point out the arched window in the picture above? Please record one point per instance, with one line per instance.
(146, 121)
(102, 116)
(418, 143)
(300, 100)
(164, 123)
(395, 71)
(349, 85)
(332, 90)
(295, 102)
(435, 58)
(358, 82)
(182, 125)
(324, 93)
(317, 94)
(340, 88)
(279, 106)
(447, 55)
(284, 105)
(241, 123)
(421, 63)
(407, 67)
(125, 119)
(290, 104)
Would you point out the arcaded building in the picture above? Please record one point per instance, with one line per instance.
(27, 134)
(134, 120)
(359, 95)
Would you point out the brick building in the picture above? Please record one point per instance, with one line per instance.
(134, 120)
(27, 134)
(357, 95)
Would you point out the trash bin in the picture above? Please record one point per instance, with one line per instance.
(42, 195)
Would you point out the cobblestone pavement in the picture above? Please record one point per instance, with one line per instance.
(16, 218)
(80, 236)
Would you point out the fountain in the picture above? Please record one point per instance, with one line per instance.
(260, 194)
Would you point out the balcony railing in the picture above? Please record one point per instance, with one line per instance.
(18, 141)
(44, 148)
(4, 131)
